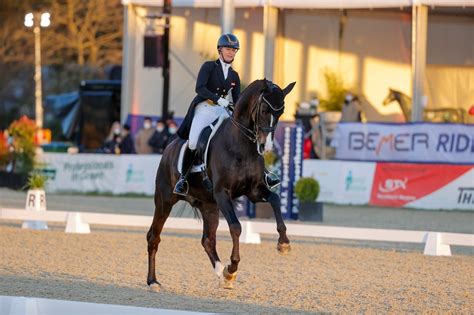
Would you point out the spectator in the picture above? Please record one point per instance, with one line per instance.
(172, 131)
(115, 129)
(112, 142)
(159, 139)
(143, 136)
(126, 145)
(112, 146)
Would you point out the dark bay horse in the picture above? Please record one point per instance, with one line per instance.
(235, 167)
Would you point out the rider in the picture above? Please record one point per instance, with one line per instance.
(217, 86)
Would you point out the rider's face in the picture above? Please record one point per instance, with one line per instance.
(228, 54)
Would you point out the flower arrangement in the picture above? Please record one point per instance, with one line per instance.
(4, 152)
(22, 131)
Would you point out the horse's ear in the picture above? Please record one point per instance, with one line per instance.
(288, 89)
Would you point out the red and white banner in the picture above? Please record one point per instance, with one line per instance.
(398, 185)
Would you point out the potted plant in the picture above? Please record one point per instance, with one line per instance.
(307, 191)
(36, 199)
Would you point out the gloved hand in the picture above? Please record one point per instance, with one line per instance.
(223, 102)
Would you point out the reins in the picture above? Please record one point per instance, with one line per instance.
(250, 134)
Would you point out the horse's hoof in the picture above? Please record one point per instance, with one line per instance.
(154, 286)
(284, 248)
(229, 276)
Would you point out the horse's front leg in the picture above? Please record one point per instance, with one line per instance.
(225, 205)
(283, 245)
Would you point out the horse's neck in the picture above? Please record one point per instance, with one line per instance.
(405, 104)
(242, 117)
(229, 131)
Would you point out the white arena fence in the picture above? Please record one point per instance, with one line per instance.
(19, 305)
(436, 243)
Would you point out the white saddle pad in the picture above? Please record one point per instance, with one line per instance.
(199, 168)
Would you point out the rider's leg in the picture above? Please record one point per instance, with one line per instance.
(203, 116)
(181, 187)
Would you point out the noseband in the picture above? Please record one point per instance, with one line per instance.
(252, 135)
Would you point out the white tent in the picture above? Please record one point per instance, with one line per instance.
(270, 26)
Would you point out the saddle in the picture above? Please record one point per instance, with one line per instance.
(202, 148)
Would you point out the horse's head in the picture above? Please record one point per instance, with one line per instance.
(390, 97)
(267, 111)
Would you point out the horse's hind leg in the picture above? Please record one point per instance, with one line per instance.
(210, 216)
(162, 211)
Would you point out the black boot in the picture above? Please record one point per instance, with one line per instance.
(206, 181)
(271, 180)
(182, 186)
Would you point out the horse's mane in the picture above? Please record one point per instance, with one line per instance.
(402, 95)
(254, 88)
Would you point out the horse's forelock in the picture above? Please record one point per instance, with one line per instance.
(274, 95)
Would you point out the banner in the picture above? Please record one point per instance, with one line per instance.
(108, 173)
(341, 182)
(138, 177)
(397, 185)
(458, 194)
(84, 172)
(421, 186)
(415, 142)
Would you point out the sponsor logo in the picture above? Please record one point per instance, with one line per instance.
(50, 173)
(410, 142)
(134, 176)
(355, 183)
(466, 195)
(88, 171)
(391, 185)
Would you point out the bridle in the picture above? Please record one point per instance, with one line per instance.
(252, 134)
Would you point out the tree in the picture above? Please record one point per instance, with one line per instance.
(88, 32)
(84, 36)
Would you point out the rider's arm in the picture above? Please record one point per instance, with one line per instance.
(236, 88)
(202, 80)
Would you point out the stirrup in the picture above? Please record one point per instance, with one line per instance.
(271, 180)
(185, 183)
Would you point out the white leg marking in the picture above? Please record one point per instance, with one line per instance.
(219, 269)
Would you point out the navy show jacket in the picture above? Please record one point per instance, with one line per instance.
(210, 86)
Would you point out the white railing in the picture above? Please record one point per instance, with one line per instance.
(436, 243)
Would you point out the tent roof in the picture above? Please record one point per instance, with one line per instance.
(307, 4)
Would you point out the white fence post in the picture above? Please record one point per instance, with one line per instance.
(74, 224)
(248, 236)
(23, 305)
(435, 247)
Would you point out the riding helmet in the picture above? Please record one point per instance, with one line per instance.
(228, 40)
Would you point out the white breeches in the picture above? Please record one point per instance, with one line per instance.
(204, 115)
